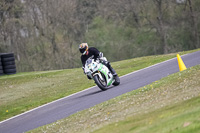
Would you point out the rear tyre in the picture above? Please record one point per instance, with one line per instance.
(8, 63)
(8, 59)
(9, 71)
(0, 61)
(1, 68)
(7, 55)
(9, 67)
(1, 72)
(99, 84)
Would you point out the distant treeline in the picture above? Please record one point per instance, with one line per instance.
(45, 34)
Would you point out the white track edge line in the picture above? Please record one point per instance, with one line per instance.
(82, 91)
(45, 105)
(147, 67)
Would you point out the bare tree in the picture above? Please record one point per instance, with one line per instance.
(44, 34)
(194, 24)
(161, 27)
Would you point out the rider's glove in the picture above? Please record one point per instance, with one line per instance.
(100, 54)
(100, 57)
(89, 77)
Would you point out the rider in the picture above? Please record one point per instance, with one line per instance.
(88, 52)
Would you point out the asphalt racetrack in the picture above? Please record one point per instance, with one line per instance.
(85, 99)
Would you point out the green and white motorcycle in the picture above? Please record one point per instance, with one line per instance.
(100, 74)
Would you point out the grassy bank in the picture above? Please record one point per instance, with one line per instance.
(171, 104)
(24, 91)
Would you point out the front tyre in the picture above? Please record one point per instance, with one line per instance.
(102, 85)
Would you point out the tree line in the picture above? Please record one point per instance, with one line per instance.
(45, 34)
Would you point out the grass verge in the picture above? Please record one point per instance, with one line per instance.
(25, 91)
(171, 104)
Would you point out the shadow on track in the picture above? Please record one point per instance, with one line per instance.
(93, 93)
(89, 94)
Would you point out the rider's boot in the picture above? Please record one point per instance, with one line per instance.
(112, 70)
(117, 80)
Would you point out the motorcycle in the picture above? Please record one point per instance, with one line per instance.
(102, 76)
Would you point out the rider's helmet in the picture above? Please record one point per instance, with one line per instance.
(83, 47)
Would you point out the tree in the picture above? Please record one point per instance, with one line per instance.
(194, 25)
(161, 27)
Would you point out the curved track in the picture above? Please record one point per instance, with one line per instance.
(69, 105)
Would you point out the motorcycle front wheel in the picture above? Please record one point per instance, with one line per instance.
(101, 84)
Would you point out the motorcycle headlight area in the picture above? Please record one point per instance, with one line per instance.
(92, 66)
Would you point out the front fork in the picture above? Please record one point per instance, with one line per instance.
(98, 73)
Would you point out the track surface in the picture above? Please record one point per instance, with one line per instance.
(69, 105)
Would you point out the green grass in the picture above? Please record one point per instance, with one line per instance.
(183, 117)
(170, 105)
(175, 108)
(24, 91)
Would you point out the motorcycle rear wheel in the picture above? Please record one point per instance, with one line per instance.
(99, 84)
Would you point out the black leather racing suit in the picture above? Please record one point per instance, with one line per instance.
(95, 52)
